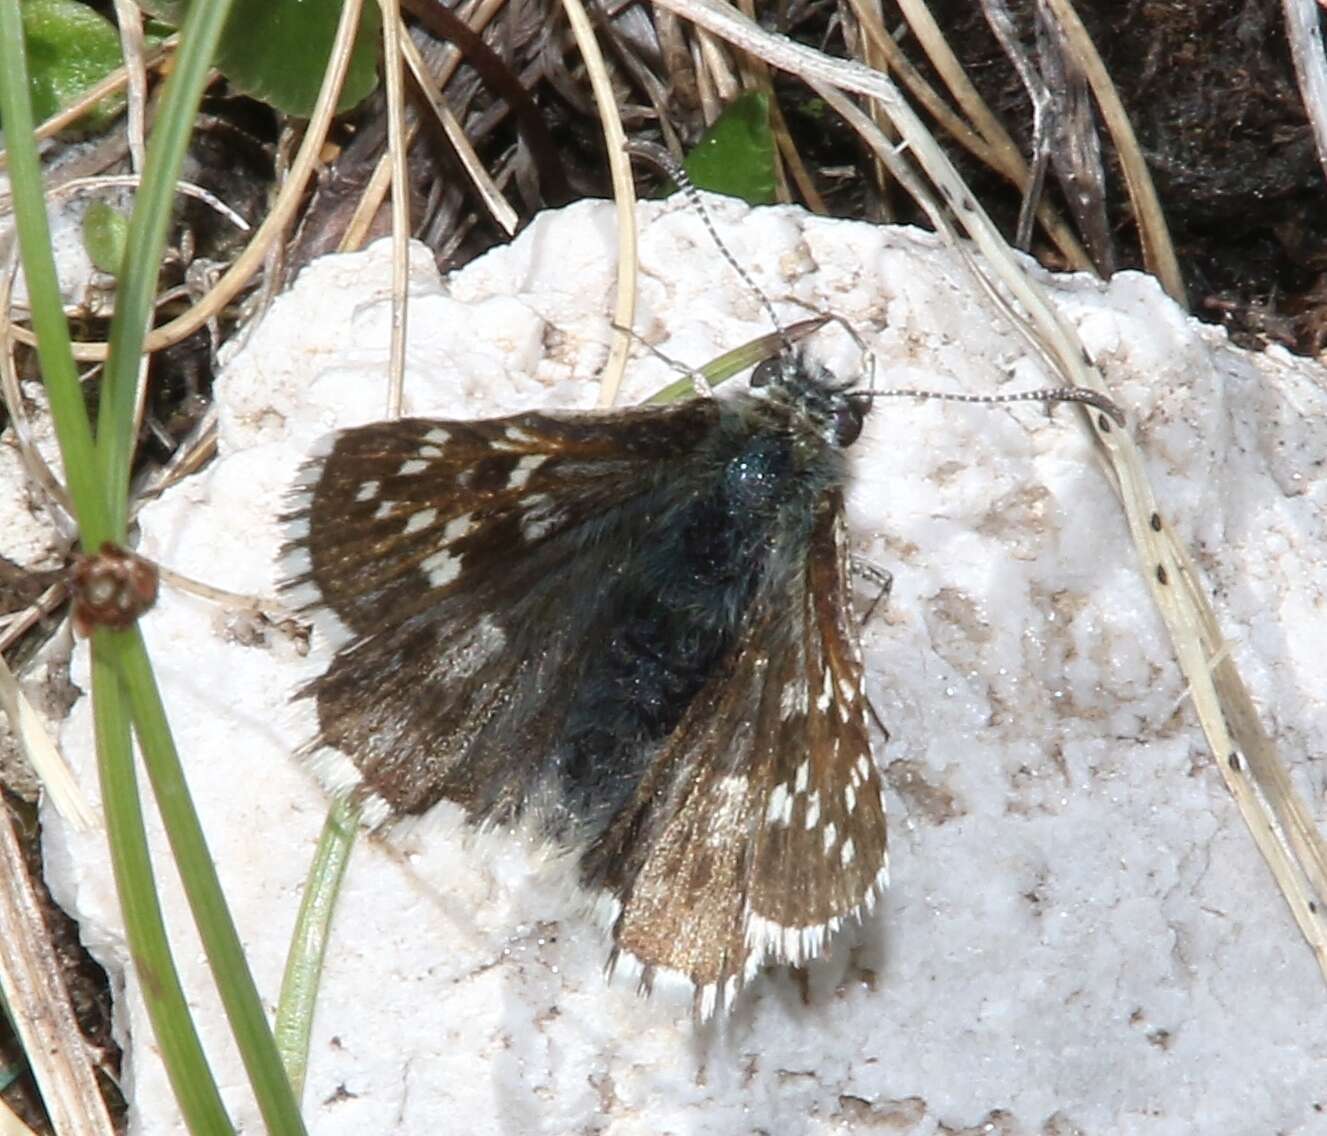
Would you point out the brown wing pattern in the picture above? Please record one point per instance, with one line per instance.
(760, 827)
(448, 688)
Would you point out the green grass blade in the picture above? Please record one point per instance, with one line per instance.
(48, 320)
(221, 942)
(308, 943)
(181, 1052)
(146, 240)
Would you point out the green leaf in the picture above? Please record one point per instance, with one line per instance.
(736, 155)
(105, 233)
(276, 50)
(70, 47)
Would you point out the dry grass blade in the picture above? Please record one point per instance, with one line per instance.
(485, 186)
(130, 21)
(1268, 803)
(624, 193)
(392, 36)
(41, 753)
(1007, 161)
(10, 1124)
(38, 1005)
(1304, 30)
(1158, 252)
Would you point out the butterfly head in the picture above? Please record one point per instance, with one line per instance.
(834, 409)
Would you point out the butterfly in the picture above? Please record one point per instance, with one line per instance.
(634, 627)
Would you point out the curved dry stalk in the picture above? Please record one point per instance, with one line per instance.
(11, 395)
(1002, 25)
(131, 181)
(624, 194)
(1158, 252)
(1275, 815)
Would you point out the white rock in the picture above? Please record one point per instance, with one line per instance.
(1080, 934)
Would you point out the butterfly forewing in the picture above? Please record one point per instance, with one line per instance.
(433, 552)
(384, 519)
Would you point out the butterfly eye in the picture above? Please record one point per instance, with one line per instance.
(848, 418)
(765, 372)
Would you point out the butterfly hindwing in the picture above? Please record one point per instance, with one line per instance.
(760, 826)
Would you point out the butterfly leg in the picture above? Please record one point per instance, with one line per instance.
(882, 578)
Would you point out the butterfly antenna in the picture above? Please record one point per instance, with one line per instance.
(660, 157)
(1045, 394)
(699, 383)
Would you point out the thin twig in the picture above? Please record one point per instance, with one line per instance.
(624, 194)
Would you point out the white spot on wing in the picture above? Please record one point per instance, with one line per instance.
(803, 776)
(540, 516)
(524, 468)
(514, 438)
(792, 699)
(831, 835)
(368, 491)
(429, 452)
(813, 810)
(412, 467)
(849, 797)
(438, 436)
(457, 527)
(826, 695)
(441, 568)
(848, 852)
(780, 808)
(420, 520)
